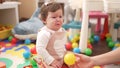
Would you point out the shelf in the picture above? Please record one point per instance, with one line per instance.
(9, 13)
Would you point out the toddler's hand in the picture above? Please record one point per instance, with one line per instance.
(56, 64)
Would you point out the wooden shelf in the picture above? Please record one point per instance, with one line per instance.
(9, 13)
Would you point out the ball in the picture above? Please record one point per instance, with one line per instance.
(27, 41)
(10, 38)
(91, 40)
(69, 59)
(76, 37)
(26, 54)
(73, 40)
(68, 46)
(33, 50)
(88, 51)
(74, 45)
(111, 44)
(108, 35)
(108, 39)
(88, 42)
(33, 62)
(76, 50)
(90, 46)
(92, 35)
(96, 38)
(14, 40)
(97, 67)
(117, 44)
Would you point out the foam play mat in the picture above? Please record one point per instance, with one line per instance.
(12, 54)
(15, 54)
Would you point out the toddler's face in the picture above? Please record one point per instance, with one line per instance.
(54, 20)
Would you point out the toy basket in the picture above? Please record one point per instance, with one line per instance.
(5, 31)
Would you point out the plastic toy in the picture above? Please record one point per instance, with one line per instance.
(33, 62)
(99, 15)
(108, 39)
(76, 50)
(33, 50)
(75, 25)
(97, 67)
(90, 46)
(92, 35)
(84, 29)
(68, 46)
(74, 45)
(111, 44)
(26, 54)
(91, 40)
(77, 37)
(27, 41)
(30, 26)
(69, 59)
(74, 38)
(96, 38)
(88, 51)
(96, 6)
(117, 44)
(110, 6)
(10, 38)
(108, 35)
(13, 40)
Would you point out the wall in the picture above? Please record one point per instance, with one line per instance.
(27, 8)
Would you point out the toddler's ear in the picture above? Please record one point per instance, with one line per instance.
(41, 19)
(44, 21)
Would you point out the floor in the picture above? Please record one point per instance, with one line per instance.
(101, 47)
(98, 48)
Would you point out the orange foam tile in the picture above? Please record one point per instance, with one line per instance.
(2, 65)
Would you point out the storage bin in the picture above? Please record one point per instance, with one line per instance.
(5, 31)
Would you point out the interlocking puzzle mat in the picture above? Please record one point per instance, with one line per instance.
(12, 54)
